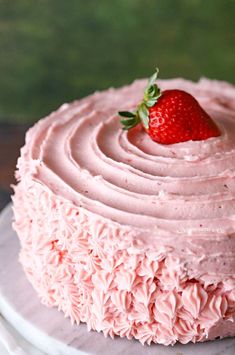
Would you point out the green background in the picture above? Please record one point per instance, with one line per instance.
(52, 51)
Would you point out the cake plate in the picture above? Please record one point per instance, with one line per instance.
(49, 331)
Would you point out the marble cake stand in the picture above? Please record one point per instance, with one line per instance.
(49, 331)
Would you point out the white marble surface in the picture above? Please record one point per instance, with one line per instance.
(11, 342)
(49, 331)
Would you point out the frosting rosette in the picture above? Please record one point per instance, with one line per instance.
(135, 238)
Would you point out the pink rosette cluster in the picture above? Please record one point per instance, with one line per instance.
(134, 238)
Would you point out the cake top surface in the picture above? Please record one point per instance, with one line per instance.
(81, 153)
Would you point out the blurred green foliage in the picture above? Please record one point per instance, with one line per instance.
(52, 51)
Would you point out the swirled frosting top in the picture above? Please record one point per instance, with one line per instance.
(81, 153)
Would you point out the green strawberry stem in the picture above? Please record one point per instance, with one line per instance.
(151, 94)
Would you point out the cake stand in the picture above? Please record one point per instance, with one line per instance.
(49, 331)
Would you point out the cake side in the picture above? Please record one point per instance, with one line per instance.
(131, 237)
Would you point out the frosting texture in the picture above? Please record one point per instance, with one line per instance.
(132, 237)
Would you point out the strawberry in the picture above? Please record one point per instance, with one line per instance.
(170, 116)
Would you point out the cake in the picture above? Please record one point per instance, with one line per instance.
(132, 237)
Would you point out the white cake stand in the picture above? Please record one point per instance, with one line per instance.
(49, 331)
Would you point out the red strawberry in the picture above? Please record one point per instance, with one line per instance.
(171, 116)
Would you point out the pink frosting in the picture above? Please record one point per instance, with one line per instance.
(132, 237)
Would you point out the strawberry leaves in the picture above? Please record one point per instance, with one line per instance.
(131, 119)
(144, 114)
(151, 95)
